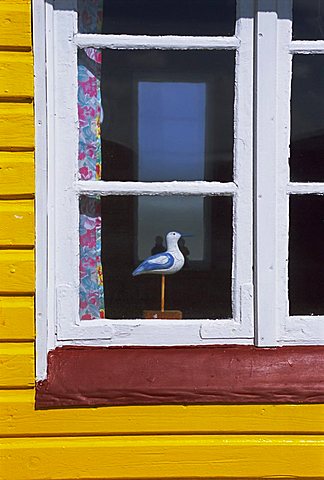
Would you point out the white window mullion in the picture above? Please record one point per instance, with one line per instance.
(273, 75)
(265, 174)
(163, 42)
(305, 188)
(307, 47)
(155, 188)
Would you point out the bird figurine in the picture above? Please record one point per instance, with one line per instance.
(165, 263)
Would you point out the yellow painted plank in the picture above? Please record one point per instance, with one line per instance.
(16, 126)
(15, 23)
(19, 417)
(17, 173)
(16, 365)
(17, 271)
(16, 74)
(17, 223)
(156, 457)
(16, 318)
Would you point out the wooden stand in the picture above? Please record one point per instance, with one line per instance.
(162, 292)
(165, 315)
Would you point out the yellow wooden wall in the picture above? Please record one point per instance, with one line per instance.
(174, 442)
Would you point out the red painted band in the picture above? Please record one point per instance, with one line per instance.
(80, 376)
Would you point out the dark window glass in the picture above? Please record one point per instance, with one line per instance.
(306, 255)
(307, 119)
(166, 17)
(308, 19)
(167, 115)
(131, 227)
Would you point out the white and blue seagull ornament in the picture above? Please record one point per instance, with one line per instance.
(165, 263)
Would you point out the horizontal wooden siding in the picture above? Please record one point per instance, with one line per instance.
(238, 441)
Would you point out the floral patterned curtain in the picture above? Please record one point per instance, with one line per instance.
(90, 114)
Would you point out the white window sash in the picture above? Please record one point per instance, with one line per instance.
(304, 329)
(275, 50)
(65, 190)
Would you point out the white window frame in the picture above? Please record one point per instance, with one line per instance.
(274, 53)
(58, 188)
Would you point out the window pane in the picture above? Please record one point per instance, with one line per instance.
(306, 255)
(162, 17)
(90, 114)
(308, 20)
(134, 228)
(167, 115)
(307, 119)
(171, 130)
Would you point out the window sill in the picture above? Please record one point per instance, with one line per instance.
(98, 376)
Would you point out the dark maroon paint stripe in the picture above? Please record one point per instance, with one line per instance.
(81, 376)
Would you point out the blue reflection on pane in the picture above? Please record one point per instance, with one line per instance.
(171, 131)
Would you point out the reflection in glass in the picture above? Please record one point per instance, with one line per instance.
(307, 119)
(308, 20)
(165, 17)
(183, 214)
(132, 228)
(171, 130)
(306, 255)
(91, 291)
(167, 115)
(89, 114)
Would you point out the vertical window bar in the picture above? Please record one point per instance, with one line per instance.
(272, 96)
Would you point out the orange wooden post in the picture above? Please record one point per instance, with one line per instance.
(162, 292)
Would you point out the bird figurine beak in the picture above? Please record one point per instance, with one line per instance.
(187, 235)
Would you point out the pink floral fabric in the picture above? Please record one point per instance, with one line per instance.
(89, 110)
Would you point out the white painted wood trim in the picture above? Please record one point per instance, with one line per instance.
(242, 274)
(189, 334)
(265, 172)
(123, 335)
(305, 188)
(303, 330)
(51, 207)
(66, 219)
(155, 188)
(40, 99)
(152, 332)
(307, 46)
(284, 64)
(273, 78)
(70, 330)
(121, 342)
(165, 42)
